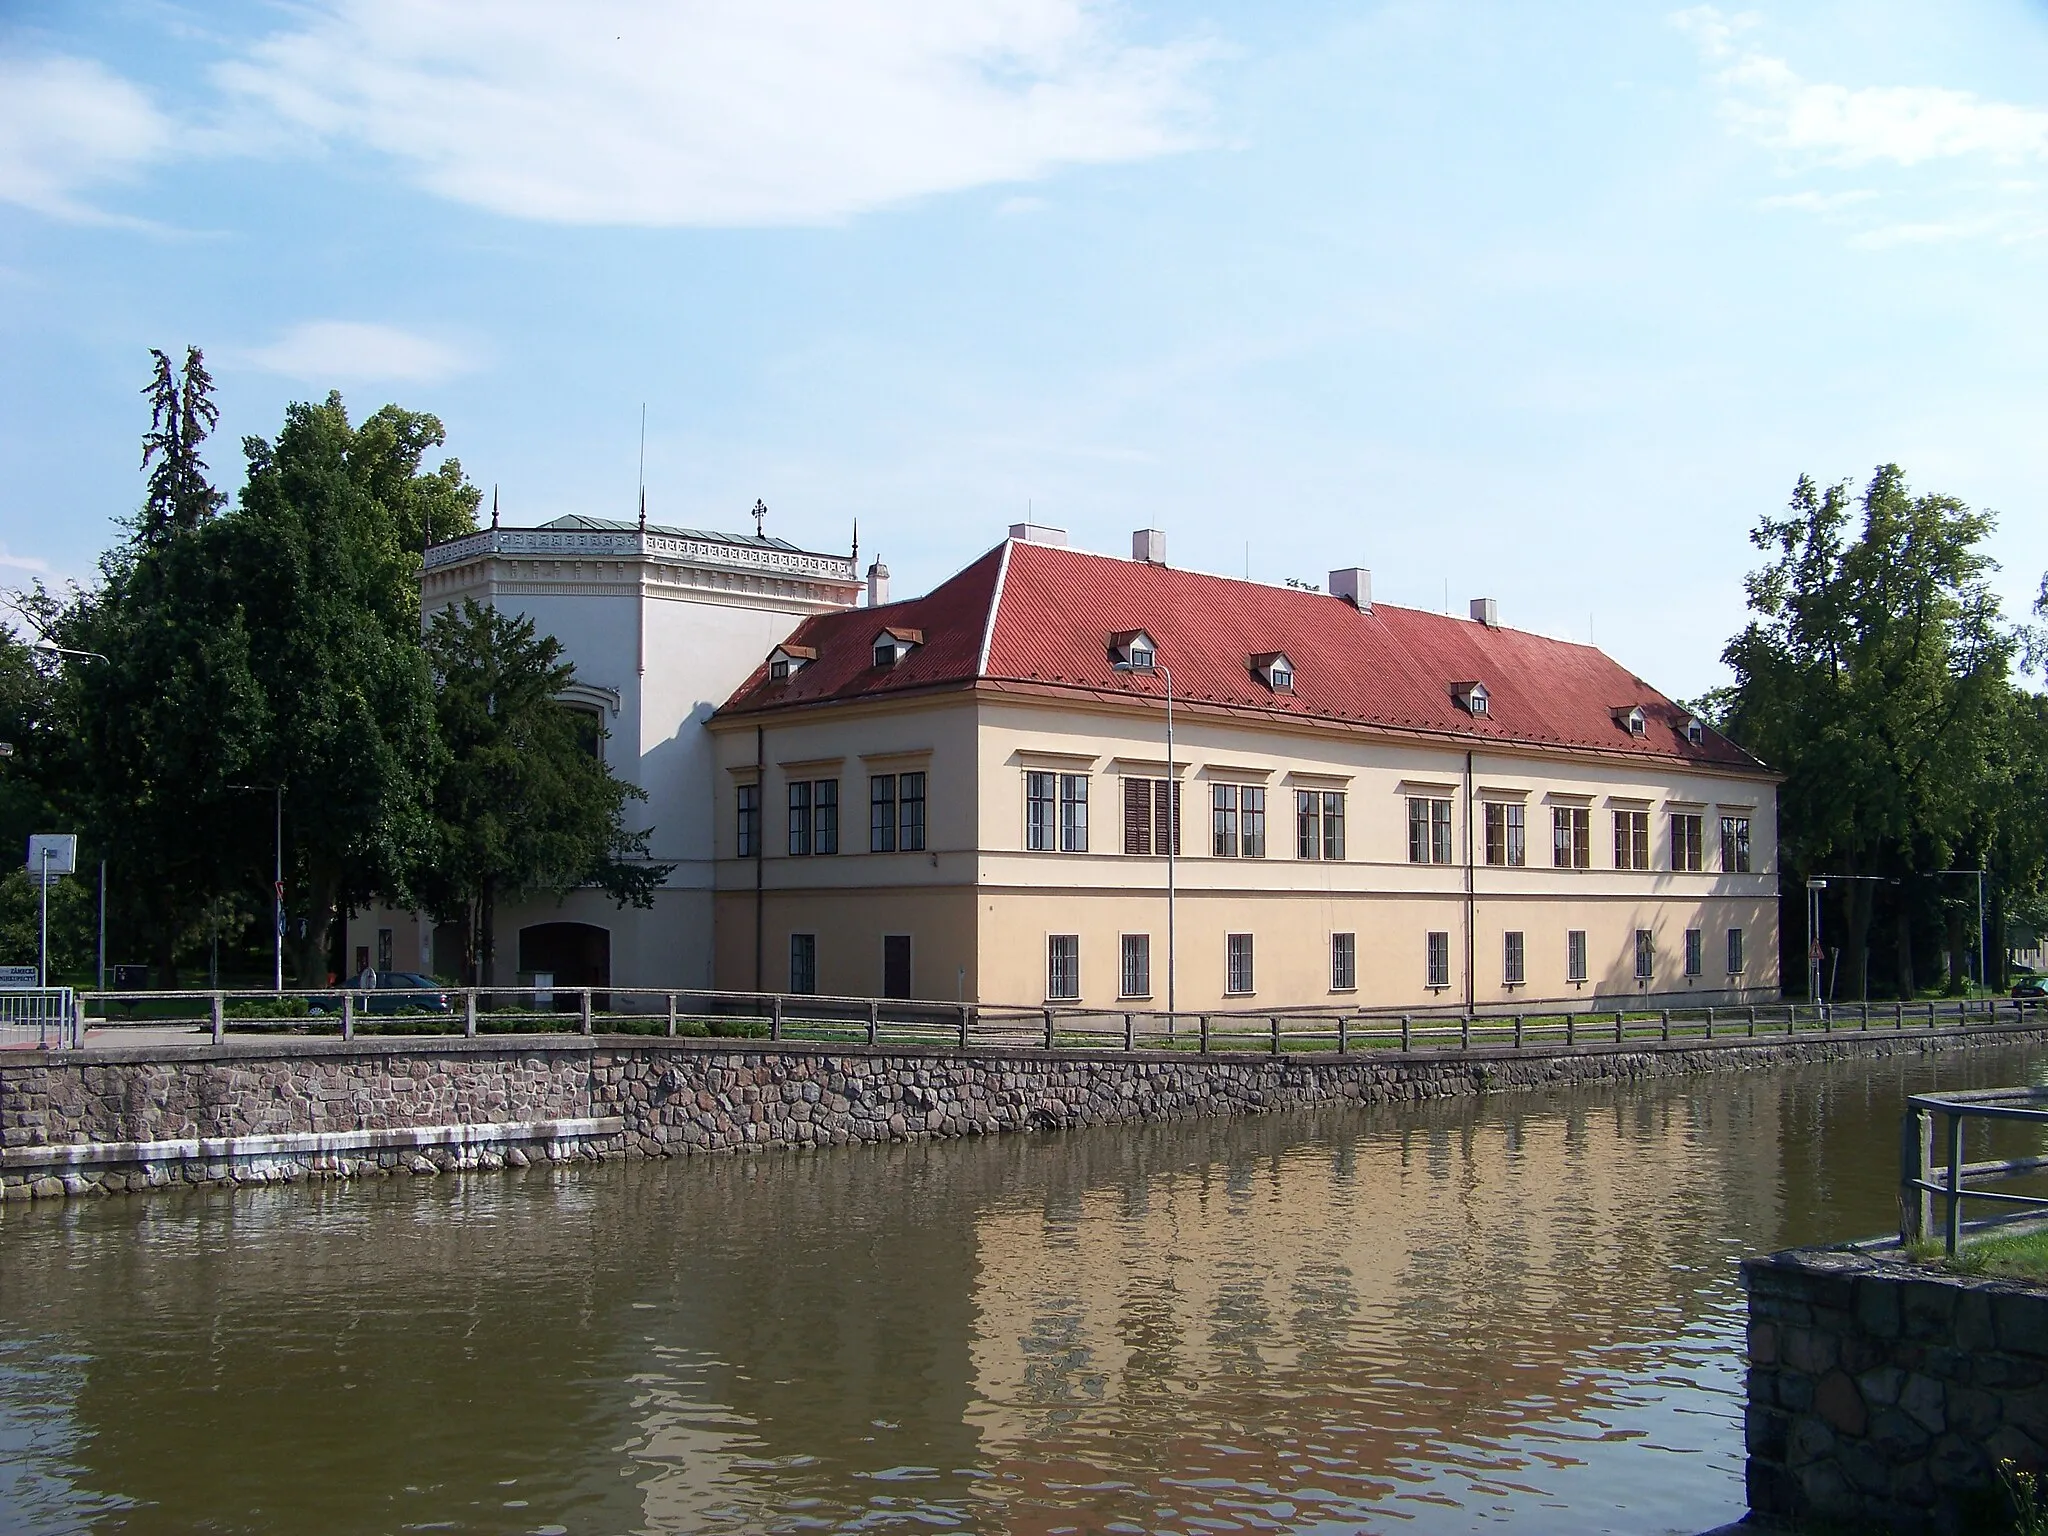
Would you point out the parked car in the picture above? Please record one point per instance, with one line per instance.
(387, 992)
(2030, 990)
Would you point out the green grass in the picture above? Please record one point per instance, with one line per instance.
(2018, 1255)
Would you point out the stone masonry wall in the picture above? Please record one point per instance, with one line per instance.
(687, 1096)
(1883, 1394)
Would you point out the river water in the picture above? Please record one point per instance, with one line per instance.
(1519, 1313)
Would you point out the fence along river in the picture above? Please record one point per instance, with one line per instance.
(1515, 1311)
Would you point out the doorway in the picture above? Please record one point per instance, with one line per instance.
(575, 954)
(896, 965)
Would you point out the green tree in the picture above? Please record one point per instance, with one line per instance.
(521, 802)
(182, 416)
(1875, 675)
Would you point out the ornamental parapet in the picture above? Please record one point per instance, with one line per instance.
(585, 544)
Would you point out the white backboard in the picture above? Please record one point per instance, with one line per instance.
(62, 848)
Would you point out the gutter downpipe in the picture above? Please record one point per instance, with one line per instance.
(1471, 892)
(760, 841)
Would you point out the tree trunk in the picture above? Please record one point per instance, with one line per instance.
(1958, 965)
(314, 952)
(1856, 905)
(487, 932)
(1905, 923)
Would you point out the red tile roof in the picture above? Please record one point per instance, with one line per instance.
(1390, 669)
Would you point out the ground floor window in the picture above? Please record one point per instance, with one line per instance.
(1646, 955)
(1134, 971)
(1437, 961)
(1734, 951)
(1575, 955)
(1343, 962)
(1237, 957)
(1063, 966)
(1514, 968)
(1695, 951)
(803, 963)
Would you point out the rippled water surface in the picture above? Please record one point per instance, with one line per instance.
(1514, 1314)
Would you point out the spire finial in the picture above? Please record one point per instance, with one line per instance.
(494, 506)
(643, 509)
(856, 541)
(760, 515)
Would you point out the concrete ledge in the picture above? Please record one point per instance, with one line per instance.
(314, 1144)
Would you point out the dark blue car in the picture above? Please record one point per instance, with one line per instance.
(387, 992)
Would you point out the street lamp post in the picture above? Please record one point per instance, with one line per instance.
(1172, 826)
(277, 883)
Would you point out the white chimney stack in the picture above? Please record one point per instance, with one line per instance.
(1354, 585)
(1038, 533)
(1486, 611)
(878, 584)
(1149, 545)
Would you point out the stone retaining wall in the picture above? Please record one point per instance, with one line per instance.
(685, 1096)
(1884, 1394)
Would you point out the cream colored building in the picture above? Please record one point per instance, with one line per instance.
(962, 797)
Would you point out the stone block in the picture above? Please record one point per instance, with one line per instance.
(1877, 1306)
(1808, 1441)
(1825, 1491)
(1927, 1308)
(1765, 1432)
(1808, 1350)
(1971, 1412)
(1925, 1402)
(1973, 1331)
(1958, 1464)
(1839, 1404)
(1898, 1434)
(1882, 1384)
(2020, 1320)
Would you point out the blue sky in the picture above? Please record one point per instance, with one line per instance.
(1545, 303)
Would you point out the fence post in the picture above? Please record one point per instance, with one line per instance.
(1620, 1018)
(1205, 1034)
(1518, 1031)
(469, 1013)
(1827, 1019)
(1899, 1015)
(1571, 1029)
(1752, 1021)
(671, 1015)
(875, 1021)
(1274, 1024)
(1048, 1029)
(1407, 1038)
(775, 1018)
(217, 1012)
(966, 1019)
(1916, 1159)
(583, 1004)
(1664, 1024)
(1130, 1031)
(1863, 1016)
(1343, 1034)
(78, 1021)
(1465, 1032)
(1955, 1182)
(348, 1015)
(1791, 1017)
(1934, 1015)
(1710, 1023)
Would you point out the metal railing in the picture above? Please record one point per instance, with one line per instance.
(38, 1016)
(105, 1016)
(1932, 1167)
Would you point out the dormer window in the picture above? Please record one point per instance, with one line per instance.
(1630, 718)
(1472, 698)
(785, 661)
(1695, 732)
(1133, 649)
(1274, 670)
(892, 645)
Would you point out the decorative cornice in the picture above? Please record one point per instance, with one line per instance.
(609, 544)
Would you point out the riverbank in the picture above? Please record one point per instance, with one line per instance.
(130, 1119)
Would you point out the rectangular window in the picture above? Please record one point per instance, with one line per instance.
(1695, 951)
(803, 963)
(1343, 962)
(882, 813)
(1688, 839)
(1437, 961)
(1735, 844)
(1507, 833)
(825, 816)
(1734, 951)
(1073, 813)
(799, 819)
(1429, 831)
(1646, 955)
(750, 820)
(1038, 811)
(1318, 824)
(1575, 955)
(1514, 960)
(1134, 968)
(910, 805)
(1252, 820)
(1237, 957)
(1571, 837)
(1063, 966)
(1631, 839)
(1223, 820)
(1145, 816)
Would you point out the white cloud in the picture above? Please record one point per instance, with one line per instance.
(1819, 202)
(721, 112)
(66, 124)
(1765, 98)
(12, 562)
(330, 353)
